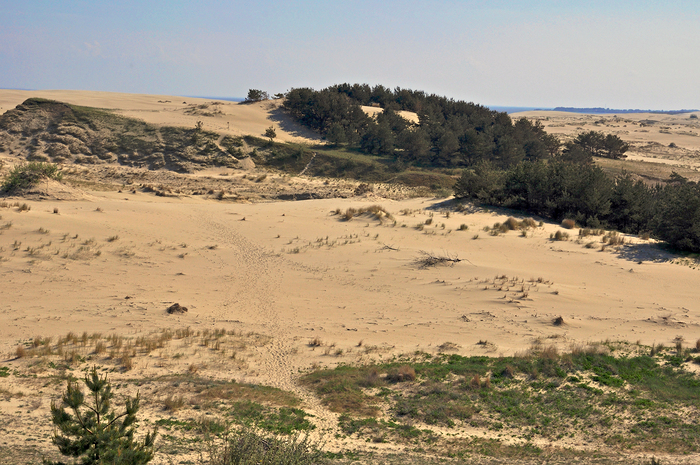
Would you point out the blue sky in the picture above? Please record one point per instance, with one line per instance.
(620, 54)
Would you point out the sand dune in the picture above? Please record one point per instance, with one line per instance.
(112, 262)
(217, 115)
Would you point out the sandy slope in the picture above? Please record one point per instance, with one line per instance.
(226, 117)
(329, 278)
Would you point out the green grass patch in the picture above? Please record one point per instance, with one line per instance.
(284, 420)
(543, 394)
(211, 391)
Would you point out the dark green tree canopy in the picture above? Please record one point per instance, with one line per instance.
(561, 189)
(256, 95)
(449, 133)
(598, 144)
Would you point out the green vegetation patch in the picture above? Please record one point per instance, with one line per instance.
(284, 420)
(211, 391)
(28, 175)
(636, 401)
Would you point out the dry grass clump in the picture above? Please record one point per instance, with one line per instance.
(583, 232)
(463, 227)
(448, 347)
(568, 224)
(100, 347)
(374, 211)
(371, 378)
(656, 349)
(20, 351)
(315, 342)
(550, 353)
(173, 403)
(511, 224)
(559, 236)
(613, 238)
(477, 383)
(679, 345)
(401, 374)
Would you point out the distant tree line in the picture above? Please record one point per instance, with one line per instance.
(561, 189)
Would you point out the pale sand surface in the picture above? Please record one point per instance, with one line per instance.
(407, 115)
(293, 271)
(330, 278)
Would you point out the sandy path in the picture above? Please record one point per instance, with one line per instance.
(255, 293)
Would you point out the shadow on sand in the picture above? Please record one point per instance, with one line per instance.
(288, 125)
(647, 252)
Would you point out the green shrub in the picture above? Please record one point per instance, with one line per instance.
(94, 431)
(27, 175)
(248, 446)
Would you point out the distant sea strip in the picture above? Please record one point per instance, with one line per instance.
(516, 109)
(228, 99)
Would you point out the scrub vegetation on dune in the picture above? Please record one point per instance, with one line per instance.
(508, 163)
(62, 133)
(28, 175)
(616, 395)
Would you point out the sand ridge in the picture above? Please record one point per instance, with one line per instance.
(224, 117)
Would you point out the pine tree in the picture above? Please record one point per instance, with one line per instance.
(88, 426)
(270, 132)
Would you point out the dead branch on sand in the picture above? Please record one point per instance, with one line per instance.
(428, 259)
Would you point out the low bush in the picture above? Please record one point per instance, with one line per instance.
(568, 224)
(249, 446)
(30, 174)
